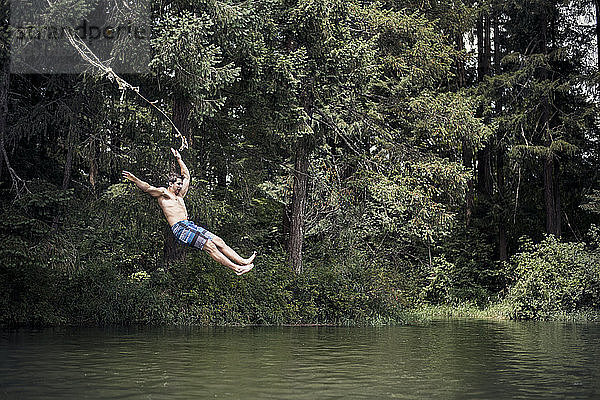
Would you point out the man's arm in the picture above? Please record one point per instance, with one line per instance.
(185, 172)
(144, 186)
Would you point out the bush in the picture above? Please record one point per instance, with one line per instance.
(453, 284)
(100, 264)
(101, 295)
(464, 271)
(272, 294)
(552, 277)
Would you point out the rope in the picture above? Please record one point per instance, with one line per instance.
(88, 55)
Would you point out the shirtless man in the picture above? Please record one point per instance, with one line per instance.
(171, 202)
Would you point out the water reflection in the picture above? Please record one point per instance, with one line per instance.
(445, 360)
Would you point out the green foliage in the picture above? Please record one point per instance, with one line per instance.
(112, 273)
(184, 48)
(446, 122)
(33, 259)
(454, 284)
(395, 156)
(407, 198)
(592, 203)
(197, 292)
(552, 277)
(100, 295)
(463, 270)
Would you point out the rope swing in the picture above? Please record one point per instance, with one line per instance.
(88, 55)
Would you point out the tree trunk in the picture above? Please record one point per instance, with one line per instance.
(4, 84)
(597, 4)
(483, 45)
(71, 134)
(467, 151)
(296, 238)
(172, 251)
(93, 163)
(480, 51)
(66, 173)
(286, 211)
(460, 64)
(502, 241)
(487, 44)
(551, 185)
(467, 158)
(551, 197)
(484, 172)
(68, 166)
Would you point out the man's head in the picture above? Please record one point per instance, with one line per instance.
(175, 183)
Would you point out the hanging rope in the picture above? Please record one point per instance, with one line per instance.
(88, 55)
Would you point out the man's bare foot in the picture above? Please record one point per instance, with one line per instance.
(244, 269)
(249, 260)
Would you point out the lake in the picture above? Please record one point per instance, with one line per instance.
(437, 360)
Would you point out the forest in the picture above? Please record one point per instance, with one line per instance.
(381, 157)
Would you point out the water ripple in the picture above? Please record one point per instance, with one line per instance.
(445, 360)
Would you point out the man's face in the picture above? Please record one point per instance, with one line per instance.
(175, 187)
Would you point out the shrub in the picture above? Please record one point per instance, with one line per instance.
(552, 277)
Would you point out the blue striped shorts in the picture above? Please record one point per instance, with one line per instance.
(190, 234)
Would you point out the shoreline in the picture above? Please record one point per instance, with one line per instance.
(418, 315)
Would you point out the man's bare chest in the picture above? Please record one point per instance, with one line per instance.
(174, 201)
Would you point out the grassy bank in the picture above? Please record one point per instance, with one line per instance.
(498, 312)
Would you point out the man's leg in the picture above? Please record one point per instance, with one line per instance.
(230, 253)
(219, 257)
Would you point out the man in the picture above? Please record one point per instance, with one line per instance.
(171, 202)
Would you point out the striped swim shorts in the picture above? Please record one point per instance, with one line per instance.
(190, 234)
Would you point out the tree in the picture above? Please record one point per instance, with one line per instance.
(317, 63)
(537, 100)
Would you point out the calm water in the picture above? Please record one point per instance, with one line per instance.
(441, 360)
